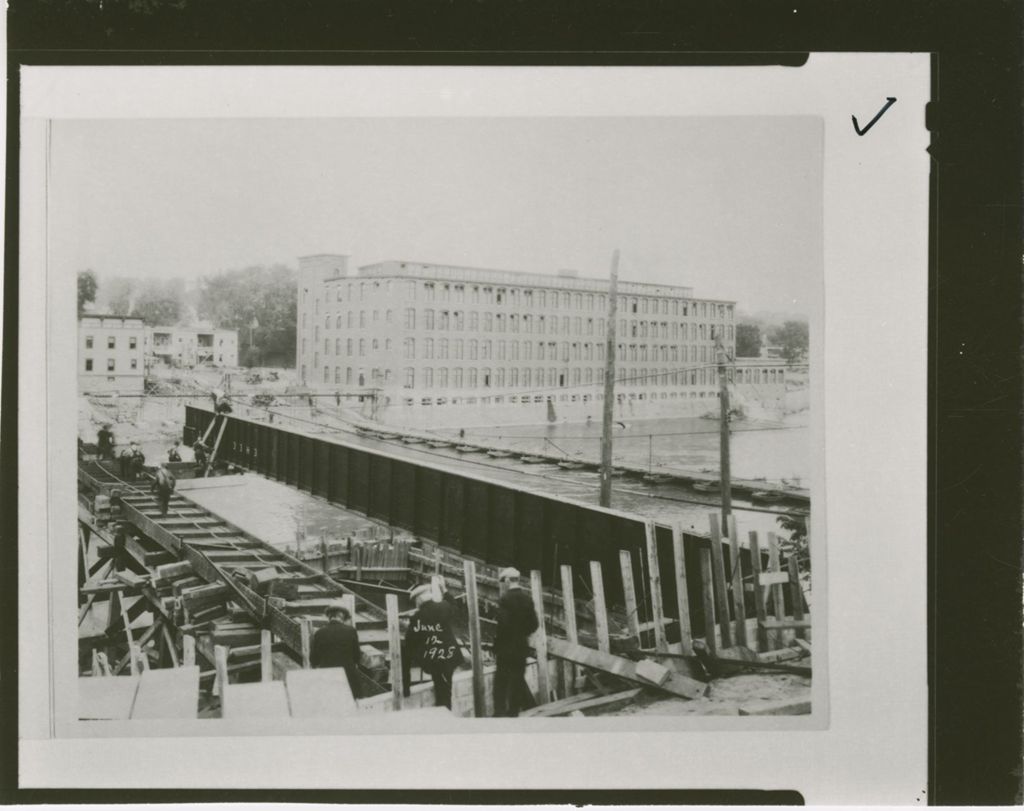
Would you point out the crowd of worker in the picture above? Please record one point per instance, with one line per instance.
(430, 643)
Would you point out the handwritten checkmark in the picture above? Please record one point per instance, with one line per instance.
(889, 101)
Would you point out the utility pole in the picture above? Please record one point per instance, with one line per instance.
(609, 387)
(723, 446)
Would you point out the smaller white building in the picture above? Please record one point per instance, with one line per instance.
(188, 347)
(110, 354)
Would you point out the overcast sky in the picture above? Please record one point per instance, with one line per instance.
(729, 206)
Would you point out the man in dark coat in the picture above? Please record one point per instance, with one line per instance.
(105, 442)
(163, 484)
(337, 645)
(430, 641)
(516, 621)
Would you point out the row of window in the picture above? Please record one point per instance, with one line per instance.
(111, 365)
(526, 399)
(515, 350)
(528, 298)
(458, 377)
(133, 342)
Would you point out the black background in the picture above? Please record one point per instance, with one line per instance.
(976, 255)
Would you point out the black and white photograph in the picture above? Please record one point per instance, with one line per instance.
(460, 420)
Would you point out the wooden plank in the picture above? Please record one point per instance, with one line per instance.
(654, 572)
(779, 625)
(473, 606)
(784, 707)
(578, 704)
(555, 707)
(394, 650)
(682, 590)
(106, 698)
(266, 655)
(305, 632)
(739, 615)
(540, 638)
(796, 594)
(220, 658)
(569, 609)
(718, 572)
(707, 595)
(188, 650)
(779, 607)
(261, 699)
(321, 693)
(600, 608)
(773, 578)
(755, 562)
(676, 684)
(168, 693)
(169, 642)
(629, 594)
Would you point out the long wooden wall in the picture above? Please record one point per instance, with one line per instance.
(492, 521)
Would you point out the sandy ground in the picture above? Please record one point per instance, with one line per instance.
(726, 695)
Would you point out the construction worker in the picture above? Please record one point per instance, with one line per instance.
(200, 450)
(105, 442)
(163, 486)
(337, 645)
(430, 641)
(125, 462)
(138, 461)
(173, 454)
(516, 621)
(224, 405)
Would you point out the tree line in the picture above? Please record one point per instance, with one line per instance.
(791, 337)
(258, 301)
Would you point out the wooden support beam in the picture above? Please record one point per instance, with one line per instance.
(579, 703)
(738, 606)
(540, 637)
(473, 607)
(629, 594)
(569, 608)
(718, 571)
(654, 571)
(600, 607)
(796, 594)
(779, 625)
(172, 651)
(133, 666)
(220, 654)
(755, 562)
(778, 600)
(707, 593)
(266, 655)
(682, 590)
(83, 612)
(188, 650)
(305, 634)
(394, 650)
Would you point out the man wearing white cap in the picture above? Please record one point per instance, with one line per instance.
(516, 621)
(430, 640)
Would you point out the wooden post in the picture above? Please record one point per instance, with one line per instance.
(266, 655)
(755, 565)
(188, 650)
(305, 632)
(738, 605)
(348, 601)
(169, 642)
(569, 608)
(220, 656)
(629, 592)
(796, 594)
(132, 664)
(654, 571)
(718, 570)
(540, 638)
(723, 437)
(709, 601)
(357, 553)
(600, 608)
(682, 591)
(140, 651)
(395, 650)
(479, 698)
(323, 554)
(778, 597)
(608, 406)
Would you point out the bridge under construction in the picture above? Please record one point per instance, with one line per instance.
(187, 615)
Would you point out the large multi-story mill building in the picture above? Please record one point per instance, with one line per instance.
(443, 345)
